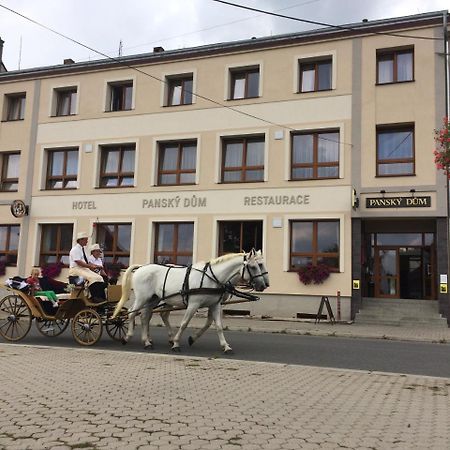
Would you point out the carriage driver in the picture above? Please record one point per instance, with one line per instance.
(80, 267)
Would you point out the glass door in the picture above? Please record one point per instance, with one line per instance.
(387, 272)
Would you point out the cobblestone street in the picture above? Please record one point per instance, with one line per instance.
(84, 398)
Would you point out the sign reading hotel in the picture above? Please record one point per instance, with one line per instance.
(398, 202)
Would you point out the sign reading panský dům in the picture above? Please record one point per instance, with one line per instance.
(398, 202)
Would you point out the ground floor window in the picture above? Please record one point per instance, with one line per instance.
(236, 236)
(115, 241)
(56, 242)
(314, 242)
(174, 243)
(9, 243)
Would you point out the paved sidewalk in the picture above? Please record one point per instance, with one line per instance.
(63, 399)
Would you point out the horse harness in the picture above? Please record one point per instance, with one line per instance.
(222, 289)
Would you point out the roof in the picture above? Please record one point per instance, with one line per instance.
(390, 25)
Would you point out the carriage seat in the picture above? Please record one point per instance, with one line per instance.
(76, 281)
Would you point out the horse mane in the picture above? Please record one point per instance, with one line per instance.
(220, 259)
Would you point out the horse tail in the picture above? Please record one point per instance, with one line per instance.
(126, 287)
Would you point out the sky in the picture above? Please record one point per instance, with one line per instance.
(172, 24)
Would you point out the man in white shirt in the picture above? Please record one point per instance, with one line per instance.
(96, 259)
(79, 266)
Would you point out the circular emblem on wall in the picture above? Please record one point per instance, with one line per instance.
(18, 208)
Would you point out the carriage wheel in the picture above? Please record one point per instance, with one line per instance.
(51, 328)
(15, 318)
(117, 328)
(87, 327)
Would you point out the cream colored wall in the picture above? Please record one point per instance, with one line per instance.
(15, 135)
(411, 102)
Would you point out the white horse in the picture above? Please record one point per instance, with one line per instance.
(197, 286)
(209, 320)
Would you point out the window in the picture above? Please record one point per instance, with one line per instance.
(62, 169)
(15, 106)
(56, 242)
(315, 155)
(395, 151)
(314, 242)
(243, 160)
(66, 101)
(180, 90)
(10, 172)
(115, 240)
(395, 66)
(244, 83)
(174, 243)
(315, 75)
(237, 236)
(177, 162)
(9, 243)
(117, 166)
(120, 96)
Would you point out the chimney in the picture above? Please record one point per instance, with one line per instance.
(69, 61)
(157, 49)
(2, 66)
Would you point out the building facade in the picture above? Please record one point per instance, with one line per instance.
(314, 147)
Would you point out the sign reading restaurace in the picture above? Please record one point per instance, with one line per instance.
(398, 202)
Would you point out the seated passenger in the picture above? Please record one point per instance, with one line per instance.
(35, 287)
(96, 259)
(81, 267)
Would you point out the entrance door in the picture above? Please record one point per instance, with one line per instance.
(387, 279)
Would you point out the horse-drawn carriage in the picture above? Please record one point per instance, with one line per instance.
(157, 288)
(19, 308)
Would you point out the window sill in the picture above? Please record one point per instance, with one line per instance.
(180, 104)
(390, 83)
(315, 92)
(13, 120)
(396, 175)
(59, 189)
(117, 110)
(243, 98)
(63, 115)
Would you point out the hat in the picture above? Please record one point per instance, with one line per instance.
(95, 247)
(82, 235)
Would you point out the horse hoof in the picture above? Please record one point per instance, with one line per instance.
(148, 346)
(190, 340)
(124, 341)
(176, 349)
(228, 350)
(171, 343)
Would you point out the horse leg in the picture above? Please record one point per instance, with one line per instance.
(131, 325)
(209, 321)
(165, 319)
(190, 311)
(146, 315)
(217, 315)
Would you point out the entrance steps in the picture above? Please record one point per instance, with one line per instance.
(400, 312)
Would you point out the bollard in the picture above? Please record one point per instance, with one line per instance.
(338, 301)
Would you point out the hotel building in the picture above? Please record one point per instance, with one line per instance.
(315, 147)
